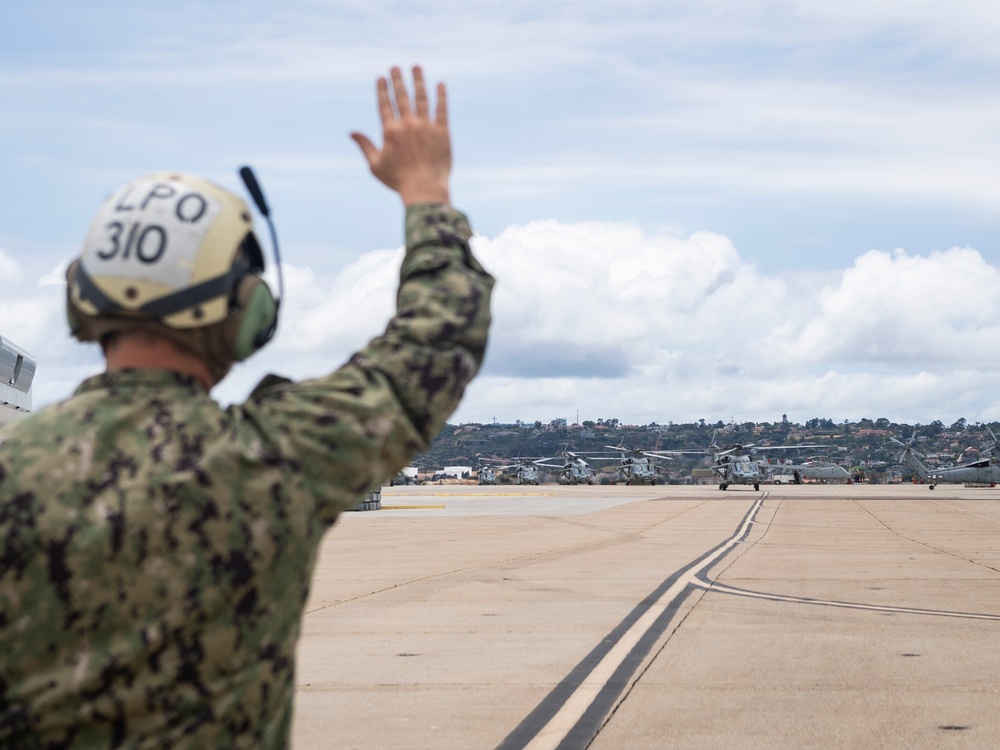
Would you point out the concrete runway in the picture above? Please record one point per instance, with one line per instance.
(842, 616)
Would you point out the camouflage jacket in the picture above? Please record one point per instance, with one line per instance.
(156, 550)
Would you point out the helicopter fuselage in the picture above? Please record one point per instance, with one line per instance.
(738, 470)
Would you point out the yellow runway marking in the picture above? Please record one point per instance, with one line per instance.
(474, 494)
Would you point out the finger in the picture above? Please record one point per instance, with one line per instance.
(441, 115)
(420, 93)
(399, 89)
(384, 102)
(367, 147)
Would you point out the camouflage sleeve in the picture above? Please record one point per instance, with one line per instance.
(351, 430)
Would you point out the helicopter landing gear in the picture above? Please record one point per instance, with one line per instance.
(723, 486)
(756, 487)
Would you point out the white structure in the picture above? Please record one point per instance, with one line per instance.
(17, 370)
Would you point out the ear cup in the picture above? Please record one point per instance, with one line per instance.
(255, 318)
(72, 316)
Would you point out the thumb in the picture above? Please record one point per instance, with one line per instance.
(366, 146)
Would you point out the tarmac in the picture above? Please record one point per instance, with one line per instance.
(813, 616)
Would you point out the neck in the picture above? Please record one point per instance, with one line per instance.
(144, 350)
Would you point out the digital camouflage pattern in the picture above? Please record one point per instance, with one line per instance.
(156, 550)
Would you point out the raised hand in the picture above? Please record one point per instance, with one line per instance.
(415, 158)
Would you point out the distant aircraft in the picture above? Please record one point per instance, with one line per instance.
(405, 477)
(984, 471)
(486, 475)
(816, 469)
(573, 469)
(524, 471)
(739, 469)
(635, 465)
(735, 464)
(824, 471)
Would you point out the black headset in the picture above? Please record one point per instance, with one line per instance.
(265, 332)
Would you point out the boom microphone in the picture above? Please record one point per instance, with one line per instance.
(246, 173)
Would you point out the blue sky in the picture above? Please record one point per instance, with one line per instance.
(724, 210)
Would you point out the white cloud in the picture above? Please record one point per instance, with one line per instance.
(934, 311)
(607, 320)
(649, 328)
(10, 272)
(55, 277)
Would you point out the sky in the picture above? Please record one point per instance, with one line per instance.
(694, 210)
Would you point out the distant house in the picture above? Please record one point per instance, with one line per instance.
(17, 371)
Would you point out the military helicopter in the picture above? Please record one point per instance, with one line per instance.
(573, 469)
(493, 471)
(984, 471)
(815, 468)
(635, 465)
(735, 464)
(733, 467)
(486, 475)
(524, 471)
(405, 477)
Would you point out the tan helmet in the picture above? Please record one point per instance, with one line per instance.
(176, 255)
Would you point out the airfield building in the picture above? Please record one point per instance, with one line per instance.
(17, 371)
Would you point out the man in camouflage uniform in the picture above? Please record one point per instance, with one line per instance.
(156, 550)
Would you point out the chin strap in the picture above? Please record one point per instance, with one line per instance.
(169, 304)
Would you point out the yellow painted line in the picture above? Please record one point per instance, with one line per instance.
(412, 507)
(471, 494)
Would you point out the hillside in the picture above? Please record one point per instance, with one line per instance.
(864, 445)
